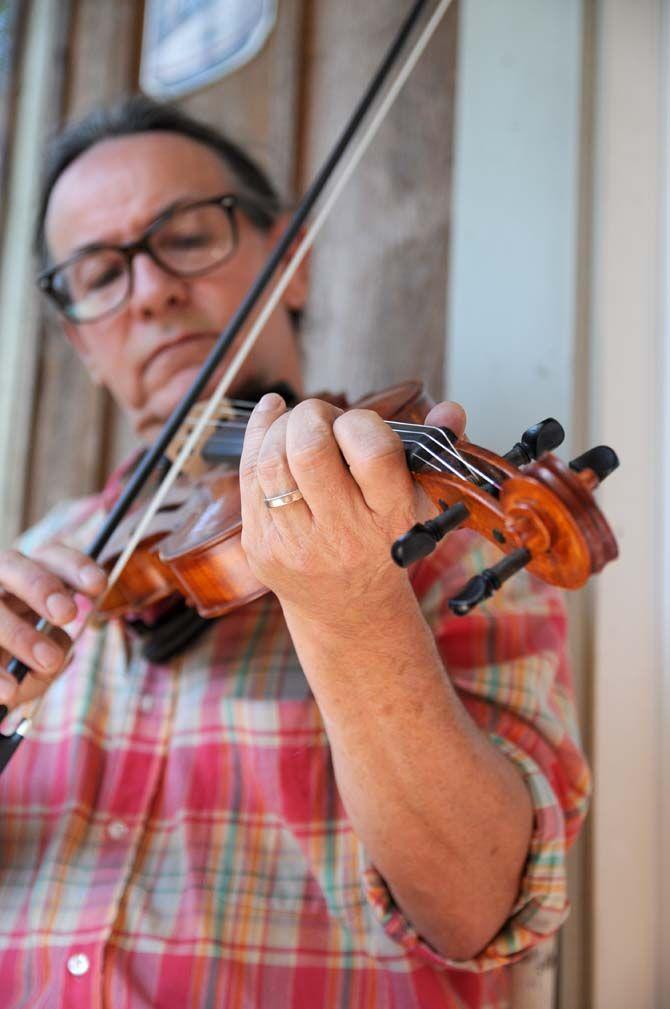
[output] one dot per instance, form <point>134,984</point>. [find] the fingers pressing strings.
<point>430,443</point>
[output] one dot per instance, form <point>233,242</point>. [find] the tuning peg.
<point>538,439</point>
<point>423,537</point>
<point>602,460</point>
<point>489,581</point>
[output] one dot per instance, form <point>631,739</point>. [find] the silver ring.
<point>279,500</point>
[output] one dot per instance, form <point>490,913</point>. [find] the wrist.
<point>354,610</point>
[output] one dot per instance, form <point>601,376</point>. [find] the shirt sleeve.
<point>507,660</point>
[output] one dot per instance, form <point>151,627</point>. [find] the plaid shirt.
<point>172,835</point>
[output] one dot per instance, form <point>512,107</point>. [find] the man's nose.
<point>154,289</point>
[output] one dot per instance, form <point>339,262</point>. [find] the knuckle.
<point>48,553</point>
<point>310,451</point>
<point>314,420</point>
<point>367,436</point>
<point>19,638</point>
<point>312,433</point>
<point>358,420</point>
<point>42,583</point>
<point>310,408</point>
<point>358,416</point>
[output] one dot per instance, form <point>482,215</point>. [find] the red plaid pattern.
<point>171,835</point>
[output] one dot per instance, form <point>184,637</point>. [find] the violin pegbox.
<point>539,511</point>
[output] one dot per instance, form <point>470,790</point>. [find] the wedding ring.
<point>279,500</point>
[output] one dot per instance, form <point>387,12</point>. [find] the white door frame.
<point>664,579</point>
<point>628,397</point>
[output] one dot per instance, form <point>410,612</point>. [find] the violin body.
<point>205,553</point>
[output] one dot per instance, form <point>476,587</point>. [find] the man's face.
<point>149,351</point>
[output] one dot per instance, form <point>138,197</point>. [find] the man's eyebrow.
<point>181,201</point>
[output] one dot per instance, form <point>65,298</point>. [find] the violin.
<point>538,511</point>
<point>541,513</point>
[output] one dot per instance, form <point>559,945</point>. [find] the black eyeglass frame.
<point>229,202</point>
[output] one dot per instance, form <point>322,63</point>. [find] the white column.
<point>627,394</point>
<point>514,285</point>
<point>514,227</point>
<point>664,510</point>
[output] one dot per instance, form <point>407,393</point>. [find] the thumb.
<point>448,414</point>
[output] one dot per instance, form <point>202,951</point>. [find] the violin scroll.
<point>540,512</point>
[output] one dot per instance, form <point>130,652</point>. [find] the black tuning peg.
<point>602,460</point>
<point>538,439</point>
<point>489,581</point>
<point>423,537</point>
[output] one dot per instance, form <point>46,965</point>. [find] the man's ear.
<point>76,338</point>
<point>295,295</point>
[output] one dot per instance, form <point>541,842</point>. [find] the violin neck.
<point>224,446</point>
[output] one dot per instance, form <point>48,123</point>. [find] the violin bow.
<point>9,743</point>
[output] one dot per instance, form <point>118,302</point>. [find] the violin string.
<point>445,441</point>
<point>399,426</point>
<point>224,423</point>
<point>275,296</point>
<point>443,466</point>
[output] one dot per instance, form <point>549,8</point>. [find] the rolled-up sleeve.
<point>508,663</point>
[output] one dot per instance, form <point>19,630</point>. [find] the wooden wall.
<point>13,28</point>
<point>77,429</point>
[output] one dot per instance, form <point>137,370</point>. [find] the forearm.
<point>445,817</point>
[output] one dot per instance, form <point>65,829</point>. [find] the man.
<point>339,796</point>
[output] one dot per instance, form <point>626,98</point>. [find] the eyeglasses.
<point>187,241</point>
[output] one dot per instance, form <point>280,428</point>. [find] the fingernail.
<point>92,576</point>
<point>270,401</point>
<point>60,607</point>
<point>46,655</point>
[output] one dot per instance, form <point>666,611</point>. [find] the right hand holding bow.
<point>40,586</point>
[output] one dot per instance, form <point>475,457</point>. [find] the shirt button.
<point>78,964</point>
<point>117,830</point>
<point>146,703</point>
